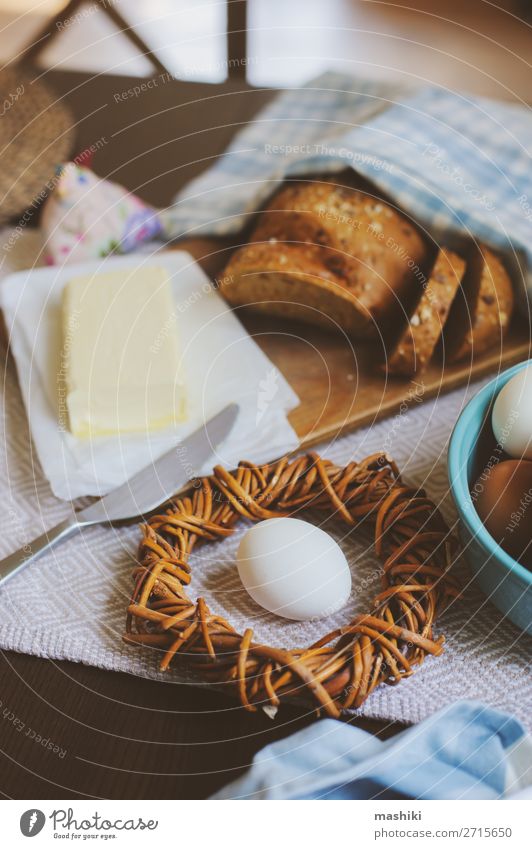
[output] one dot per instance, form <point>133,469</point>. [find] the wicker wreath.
<point>339,671</point>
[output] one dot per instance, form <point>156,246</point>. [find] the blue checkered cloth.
<point>459,165</point>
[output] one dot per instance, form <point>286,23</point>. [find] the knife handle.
<point>13,563</point>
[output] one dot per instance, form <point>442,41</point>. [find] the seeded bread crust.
<point>416,344</point>
<point>365,246</point>
<point>482,310</point>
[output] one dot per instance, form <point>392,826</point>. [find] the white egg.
<point>511,419</point>
<point>293,569</point>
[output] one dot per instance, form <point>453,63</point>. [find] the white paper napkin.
<point>221,363</point>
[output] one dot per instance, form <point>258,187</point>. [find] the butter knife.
<point>138,496</point>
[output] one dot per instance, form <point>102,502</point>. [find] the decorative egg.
<point>293,569</point>
<point>503,499</point>
<point>512,415</point>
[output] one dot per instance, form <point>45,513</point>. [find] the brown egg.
<point>503,499</point>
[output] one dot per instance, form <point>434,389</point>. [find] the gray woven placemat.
<point>71,603</point>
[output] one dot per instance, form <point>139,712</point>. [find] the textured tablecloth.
<point>71,603</point>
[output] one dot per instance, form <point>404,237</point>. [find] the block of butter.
<point>120,356</point>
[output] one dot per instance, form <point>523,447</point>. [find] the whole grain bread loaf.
<point>367,252</point>
<point>416,343</point>
<point>335,255</point>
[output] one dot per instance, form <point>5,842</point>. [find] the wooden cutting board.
<point>341,389</point>
<point>337,379</point>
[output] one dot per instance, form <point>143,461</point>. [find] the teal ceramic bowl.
<point>506,582</point>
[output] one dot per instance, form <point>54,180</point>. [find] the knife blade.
<point>141,494</point>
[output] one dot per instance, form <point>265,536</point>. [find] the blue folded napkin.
<point>466,751</point>
<point>460,165</point>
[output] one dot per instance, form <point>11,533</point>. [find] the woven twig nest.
<point>341,669</point>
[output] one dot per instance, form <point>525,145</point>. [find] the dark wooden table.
<point>117,736</point>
